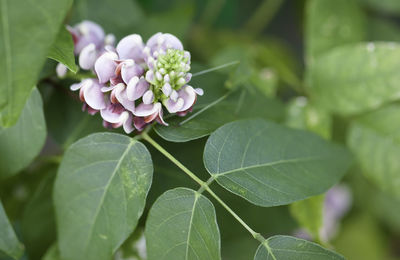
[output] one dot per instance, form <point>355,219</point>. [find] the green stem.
<point>215,68</point>
<point>203,185</point>
<point>264,14</point>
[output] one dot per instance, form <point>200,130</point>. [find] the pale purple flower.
<point>337,203</point>
<point>90,42</point>
<point>135,80</point>
<point>90,93</point>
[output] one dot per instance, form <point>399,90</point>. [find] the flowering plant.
<point>202,130</point>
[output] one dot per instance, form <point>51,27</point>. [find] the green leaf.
<point>286,247</point>
<point>38,224</point>
<point>302,114</point>
<point>330,24</point>
<point>27,29</point>
<point>9,243</point>
<point>230,107</point>
<point>353,79</point>
<point>383,30</point>
<point>375,140</point>
<point>386,6</point>
<point>63,50</point>
<point>52,253</point>
<point>99,194</point>
<point>20,144</point>
<point>270,165</point>
<point>308,214</point>
<point>129,19</point>
<point>182,225</point>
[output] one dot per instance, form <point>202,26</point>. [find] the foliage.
<point>245,173</point>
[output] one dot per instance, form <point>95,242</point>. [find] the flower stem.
<point>203,185</point>
<point>262,16</point>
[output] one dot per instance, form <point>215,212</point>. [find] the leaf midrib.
<point>7,48</point>
<point>132,142</point>
<point>304,159</point>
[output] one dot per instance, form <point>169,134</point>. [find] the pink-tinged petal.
<point>160,118</point>
<point>90,110</point>
<point>109,40</point>
<point>145,110</point>
<point>150,77</point>
<point>188,77</point>
<point>61,70</point>
<point>174,95</point>
<point>107,89</point>
<point>131,47</point>
<point>199,91</point>
<point>105,66</point>
<point>120,94</point>
<point>166,78</point>
<point>188,94</point>
<point>129,70</point>
<point>88,32</point>
<point>127,122</point>
<point>148,97</point>
<point>88,57</point>
<point>139,123</point>
<point>154,40</point>
<point>93,96</point>
<point>116,80</point>
<point>112,113</point>
<point>173,106</point>
<point>171,42</point>
<point>167,89</point>
<point>76,86</point>
<point>136,88</point>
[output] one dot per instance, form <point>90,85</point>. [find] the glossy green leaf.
<point>356,78</point>
<point>230,107</point>
<point>286,247</point>
<point>9,243</point>
<point>63,50</point>
<point>28,30</point>
<point>182,225</point>
<point>99,194</point>
<point>375,140</point>
<point>330,24</point>
<point>21,143</point>
<point>308,214</point>
<point>271,165</point>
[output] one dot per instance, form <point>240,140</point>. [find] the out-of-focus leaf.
<point>206,119</point>
<point>356,78</point>
<point>286,247</point>
<point>175,21</point>
<point>386,6</point>
<point>330,24</point>
<point>27,29</point>
<point>308,213</point>
<point>302,114</point>
<point>52,253</point>
<point>120,18</point>
<point>65,120</point>
<point>271,165</point>
<point>182,225</point>
<point>362,239</point>
<point>99,194</point>
<point>63,50</point>
<point>38,222</point>
<point>21,143</point>
<point>9,243</point>
<point>375,140</point>
<point>383,30</point>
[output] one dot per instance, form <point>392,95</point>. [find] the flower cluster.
<point>135,80</point>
